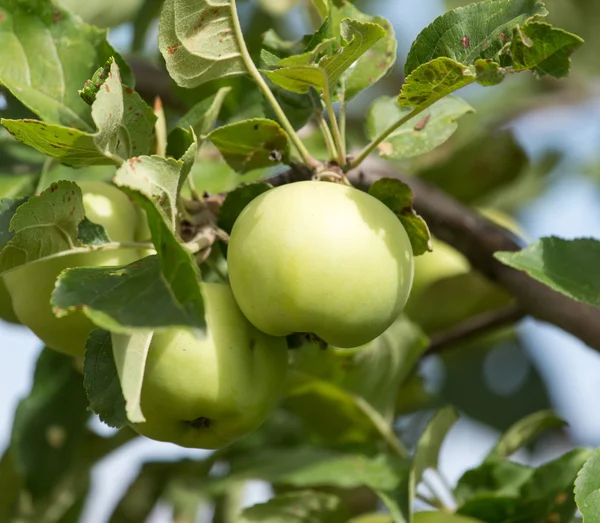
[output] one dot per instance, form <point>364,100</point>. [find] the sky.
<point>575,131</point>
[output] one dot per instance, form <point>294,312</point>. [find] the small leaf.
<point>298,507</point>
<point>567,266</point>
<point>587,489</point>
<point>545,49</point>
<point>49,424</point>
<point>489,72</point>
<point>156,178</point>
<point>397,196</point>
<point>432,81</point>
<point>420,134</point>
<point>130,351</point>
<point>524,432</point>
<point>50,64</point>
<point>431,441</point>
<point>44,225</point>
<point>237,200</point>
<point>101,380</point>
<point>252,144</point>
<point>122,299</point>
<point>198,41</point>
<point>478,30</point>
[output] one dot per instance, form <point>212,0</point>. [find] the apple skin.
<point>6,309</point>
<point>321,258</point>
<point>208,391</point>
<point>31,285</point>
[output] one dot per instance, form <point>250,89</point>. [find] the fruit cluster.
<point>309,257</point>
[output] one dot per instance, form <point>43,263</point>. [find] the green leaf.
<point>252,144</point>
<point>8,208</point>
<point>431,441</point>
<point>11,484</point>
<point>109,13</point>
<point>524,432</point>
<point>544,49</point>
<point>298,76</point>
<point>277,7</point>
<point>130,352</point>
<point>497,477</point>
<point>49,424</point>
<point>567,266</point>
<point>45,225</point>
<point>587,489</point>
<point>397,196</point>
<point>420,134</point>
<point>47,54</point>
<point>125,129</point>
<point>460,174</point>
<point>442,517</point>
<point>198,41</point>
<point>495,510</point>
<point>478,30</point>
<point>201,118</point>
<point>236,201</point>
<point>433,80</point>
<point>215,176</point>
<point>157,178</point>
<point>489,72</point>
<point>122,299</point>
<point>101,380</point>
<point>298,507</point>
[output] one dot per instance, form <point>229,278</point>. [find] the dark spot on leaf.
<point>503,37</point>
<point>1,17</point>
<point>107,88</point>
<point>172,48</point>
<point>465,41</point>
<point>275,156</point>
<point>199,423</point>
<point>252,343</point>
<point>421,124</point>
<point>256,127</point>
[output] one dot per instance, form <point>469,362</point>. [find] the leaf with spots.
<point>44,225</point>
<point>421,133</point>
<point>543,48</point>
<point>567,266</point>
<point>128,299</point>
<point>49,423</point>
<point>252,144</point>
<point>125,129</point>
<point>397,196</point>
<point>46,56</point>
<point>433,81</point>
<point>199,42</point>
<point>466,34</point>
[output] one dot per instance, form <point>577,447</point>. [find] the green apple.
<point>321,258</point>
<point>31,285</point>
<point>6,309</point>
<point>206,390</point>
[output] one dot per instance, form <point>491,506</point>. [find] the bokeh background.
<point>543,137</point>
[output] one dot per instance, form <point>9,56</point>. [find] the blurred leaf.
<point>397,196</point>
<point>430,443</point>
<point>49,424</point>
<point>372,518</point>
<point>11,484</point>
<point>495,477</point>
<point>237,200</point>
<point>485,164</point>
<point>101,380</point>
<point>441,517</point>
<point>8,208</point>
<point>130,351</point>
<point>215,176</point>
<point>420,134</point>
<point>64,44</point>
<point>298,507</point>
<point>543,48</point>
<point>495,510</point>
<point>108,13</point>
<point>524,432</point>
<point>252,144</point>
<point>277,7</point>
<point>146,15</point>
<point>587,489</point>
<point>198,52</point>
<point>478,30</point>
<point>143,493</point>
<point>567,266</point>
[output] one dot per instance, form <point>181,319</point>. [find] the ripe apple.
<point>321,258</point>
<point>207,390</point>
<point>31,285</point>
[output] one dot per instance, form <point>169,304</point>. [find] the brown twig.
<point>480,324</point>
